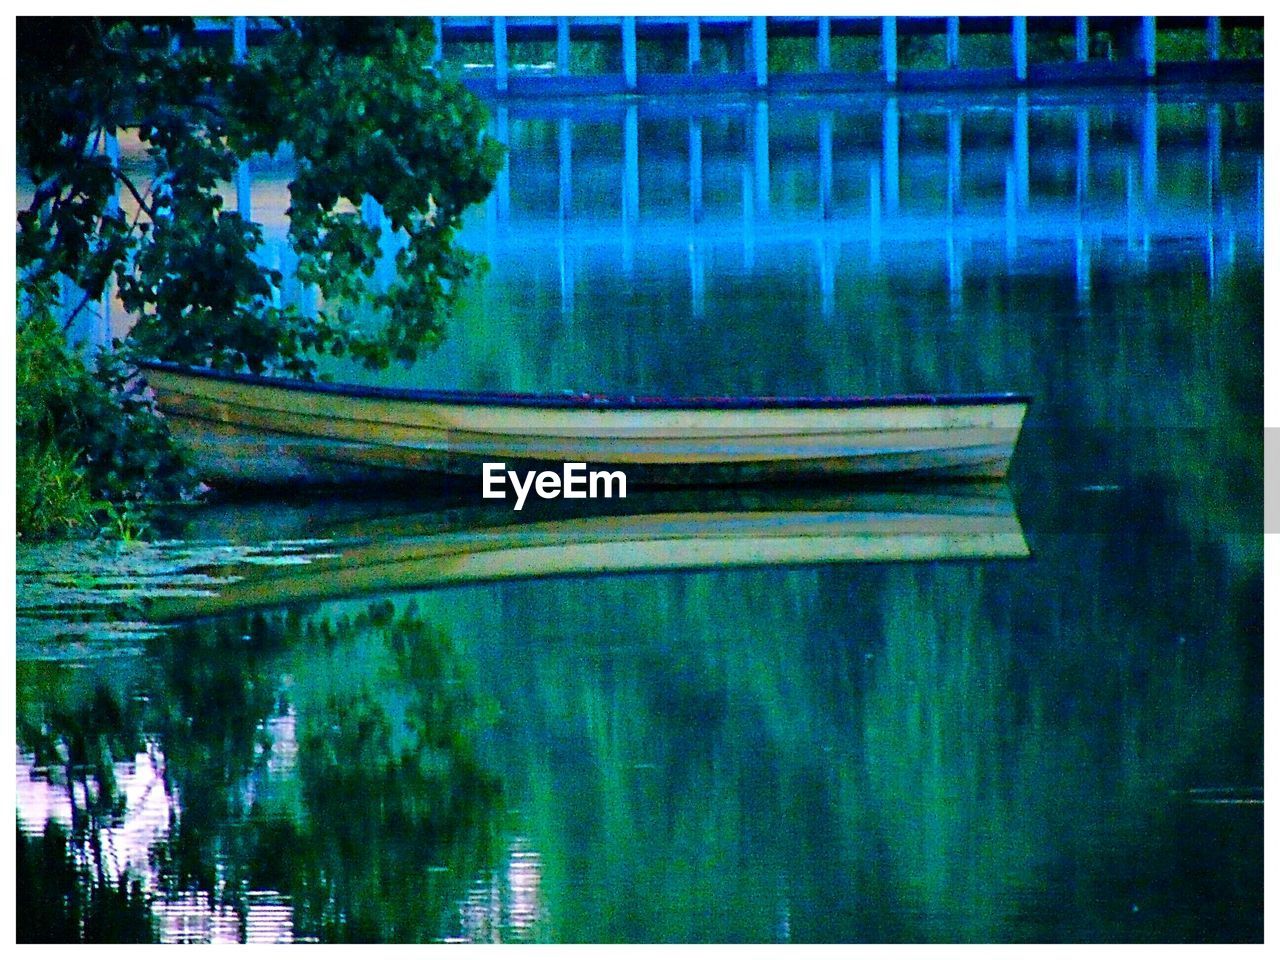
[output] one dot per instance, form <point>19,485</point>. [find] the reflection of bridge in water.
<point>987,183</point>
<point>950,203</point>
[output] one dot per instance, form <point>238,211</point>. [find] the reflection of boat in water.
<point>245,428</point>
<point>649,532</point>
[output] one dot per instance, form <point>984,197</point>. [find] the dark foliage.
<point>365,114</point>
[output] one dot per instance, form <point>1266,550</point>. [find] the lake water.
<point>1061,747</point>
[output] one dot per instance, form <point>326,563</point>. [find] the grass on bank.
<point>91,450</point>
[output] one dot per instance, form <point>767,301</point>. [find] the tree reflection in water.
<point>317,780</point>
<point>996,750</point>
<point>1012,751</point>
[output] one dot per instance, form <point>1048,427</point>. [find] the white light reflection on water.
<point>125,842</point>
<point>123,845</point>
<point>505,905</point>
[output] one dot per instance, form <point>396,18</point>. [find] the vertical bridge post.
<point>889,48</point>
<point>1022,152</point>
<point>629,52</point>
<point>239,38</point>
<point>695,169</point>
<point>1082,39</point>
<point>500,65</point>
<point>889,152</point>
<point>631,165</point>
<point>953,42</point>
<point>695,45</point>
<point>564,145</point>
<point>760,157</point>
<point>1082,154</point>
<point>824,44</point>
<point>239,53</point>
<point>562,46</point>
<point>1213,37</point>
<point>502,189</point>
<point>111,150</point>
<point>1019,33</point>
<point>955,147</point>
<point>825,164</point>
<point>760,51</point>
<point>101,335</point>
<point>1148,39</point>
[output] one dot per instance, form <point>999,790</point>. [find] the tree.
<point>364,112</point>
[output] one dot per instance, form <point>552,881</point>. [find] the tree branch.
<point>128,184</point>
<point>84,302</point>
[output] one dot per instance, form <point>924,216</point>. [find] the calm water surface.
<point>1066,747</point>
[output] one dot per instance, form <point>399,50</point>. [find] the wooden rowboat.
<point>242,428</point>
<point>651,532</point>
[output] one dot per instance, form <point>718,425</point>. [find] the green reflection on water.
<point>918,751</point>
<point>1065,748</point>
<point>370,814</point>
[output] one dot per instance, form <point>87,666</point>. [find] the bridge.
<point>1005,216</point>
<point>535,56</point>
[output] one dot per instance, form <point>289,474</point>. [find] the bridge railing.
<point>1084,50</point>
<point>1102,50</point>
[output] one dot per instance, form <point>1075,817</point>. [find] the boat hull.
<point>254,430</point>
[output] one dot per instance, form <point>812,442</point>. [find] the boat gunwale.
<point>569,400</point>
